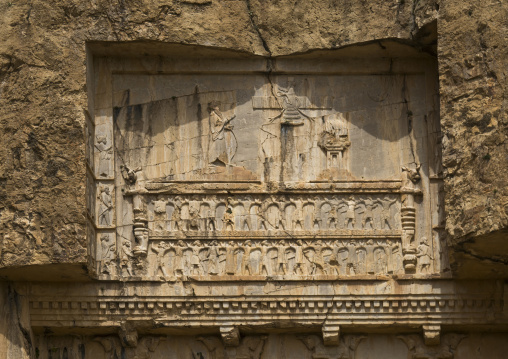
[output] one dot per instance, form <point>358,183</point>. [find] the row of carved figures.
<point>271,214</point>
<point>246,347</point>
<point>177,259</point>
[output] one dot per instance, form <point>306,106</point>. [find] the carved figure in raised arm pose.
<point>176,218</point>
<point>368,215</point>
<point>332,217</point>
<point>350,205</point>
<point>385,205</point>
<point>161,249</point>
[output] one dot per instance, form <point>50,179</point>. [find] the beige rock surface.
<point>473,86</point>
<point>43,81</point>
<point>262,306</point>
<point>43,98</point>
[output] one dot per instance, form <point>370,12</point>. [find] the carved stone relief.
<point>344,350</point>
<point>445,350</point>
<point>301,176</point>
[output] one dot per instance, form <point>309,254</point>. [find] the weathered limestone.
<point>292,180</point>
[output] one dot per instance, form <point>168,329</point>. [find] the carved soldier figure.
<point>213,259</point>
<point>268,259</point>
<point>380,261</point>
<point>281,263</point>
<point>107,254</point>
<point>260,212</point>
<point>241,261</point>
<point>160,250</point>
<point>105,206</point>
<point>222,260</point>
<point>424,256</point>
<point>275,219</point>
<point>126,257</point>
<point>232,266</point>
<point>290,265</point>
<point>246,267</point>
<point>342,259</point>
<point>396,258</point>
<point>385,205</point>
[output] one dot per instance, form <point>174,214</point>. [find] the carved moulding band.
<point>199,312</point>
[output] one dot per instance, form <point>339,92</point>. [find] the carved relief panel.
<point>228,171</point>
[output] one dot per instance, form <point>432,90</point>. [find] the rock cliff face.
<point>47,82</point>
<point>43,88</point>
<point>43,98</point>
<point>473,79</point>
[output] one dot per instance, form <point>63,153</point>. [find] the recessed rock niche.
<point>214,166</point>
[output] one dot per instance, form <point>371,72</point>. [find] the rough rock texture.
<point>42,96</point>
<point>473,63</point>
<point>43,88</point>
<point>15,334</point>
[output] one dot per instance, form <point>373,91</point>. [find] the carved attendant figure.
<point>223,144</point>
<point>105,207</point>
<point>105,153</point>
<point>424,257</point>
<point>107,254</point>
<point>126,257</point>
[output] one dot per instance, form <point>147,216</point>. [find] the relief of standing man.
<point>223,143</point>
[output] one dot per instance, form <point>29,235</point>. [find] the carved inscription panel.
<point>229,170</point>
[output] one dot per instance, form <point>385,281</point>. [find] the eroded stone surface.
<point>227,195</point>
